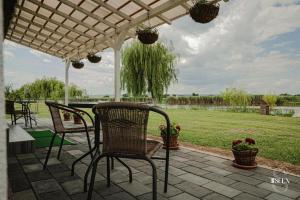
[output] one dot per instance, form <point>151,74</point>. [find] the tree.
<point>148,68</point>
<point>270,99</point>
<point>47,88</point>
<point>237,98</point>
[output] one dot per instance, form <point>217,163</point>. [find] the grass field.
<point>277,138</point>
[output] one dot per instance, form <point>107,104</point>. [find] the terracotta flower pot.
<point>77,119</point>
<point>173,144</point>
<point>67,116</point>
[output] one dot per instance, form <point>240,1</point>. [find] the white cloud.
<point>8,54</point>
<point>229,51</point>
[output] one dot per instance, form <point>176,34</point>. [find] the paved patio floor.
<point>193,175</point>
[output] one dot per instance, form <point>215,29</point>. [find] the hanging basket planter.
<point>77,64</point>
<point>93,58</point>
<point>203,12</point>
<point>147,35</point>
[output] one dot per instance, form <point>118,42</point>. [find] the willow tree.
<point>148,69</point>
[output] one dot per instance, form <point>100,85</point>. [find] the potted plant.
<point>67,115</point>
<point>174,133</point>
<point>147,35</point>
<point>77,64</point>
<point>76,118</point>
<point>244,153</point>
<point>93,58</point>
<point>204,11</point>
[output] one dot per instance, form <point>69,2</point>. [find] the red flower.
<point>236,142</point>
<point>250,141</point>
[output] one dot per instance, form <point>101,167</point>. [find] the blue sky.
<point>253,45</point>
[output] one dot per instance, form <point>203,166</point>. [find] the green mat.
<point>43,139</point>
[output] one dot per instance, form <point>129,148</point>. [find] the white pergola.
<point>69,29</point>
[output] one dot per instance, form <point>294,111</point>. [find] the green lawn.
<point>277,137</point>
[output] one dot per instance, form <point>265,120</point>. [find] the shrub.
<point>237,98</point>
<point>270,99</point>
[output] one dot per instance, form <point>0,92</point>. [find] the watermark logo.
<point>279,183</point>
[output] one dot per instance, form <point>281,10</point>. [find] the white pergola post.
<point>67,67</point>
<point>3,135</point>
<point>117,44</point>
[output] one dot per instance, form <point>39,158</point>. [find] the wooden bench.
<point>19,140</point>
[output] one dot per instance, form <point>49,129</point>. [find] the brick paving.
<point>193,175</point>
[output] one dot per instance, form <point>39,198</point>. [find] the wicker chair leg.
<point>88,171</point>
<point>154,179</point>
<point>166,171</point>
<point>89,142</point>
<point>129,170</point>
<point>81,157</point>
<point>49,151</point>
<point>60,146</point>
<point>90,193</point>
<point>108,171</point>
<point>112,163</point>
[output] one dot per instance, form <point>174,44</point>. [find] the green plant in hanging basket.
<point>77,64</point>
<point>147,35</point>
<point>204,11</point>
<point>93,58</point>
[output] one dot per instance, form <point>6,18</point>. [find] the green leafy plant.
<point>237,98</point>
<point>175,129</point>
<point>270,99</point>
<point>147,29</point>
<point>148,68</point>
<point>240,145</point>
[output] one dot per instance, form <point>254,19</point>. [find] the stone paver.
<point>56,195</point>
<point>73,187</point>
<point>184,196</point>
<point>194,179</point>
<point>120,196</point>
<point>172,191</point>
<point>215,196</point>
<point>219,178</point>
<point>222,189</point>
<point>32,167</point>
<point>283,191</point>
<point>217,170</point>
<point>195,170</point>
<point>259,192</point>
<point>24,195</point>
<point>51,161</point>
<point>135,188</point>
<point>44,186</point>
<point>192,175</point>
<point>275,196</point>
<point>244,179</point>
<point>193,189</point>
<point>245,196</point>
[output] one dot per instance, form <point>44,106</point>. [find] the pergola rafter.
<point>70,29</point>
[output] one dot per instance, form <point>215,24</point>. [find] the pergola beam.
<point>47,29</point>
<point>112,9</point>
<point>154,12</point>
<point>47,37</point>
<point>145,6</point>
<point>33,46</point>
<point>55,22</point>
<point>66,16</point>
<point>90,14</point>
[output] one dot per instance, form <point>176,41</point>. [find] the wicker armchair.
<point>55,110</point>
<point>14,114</point>
<point>124,127</point>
